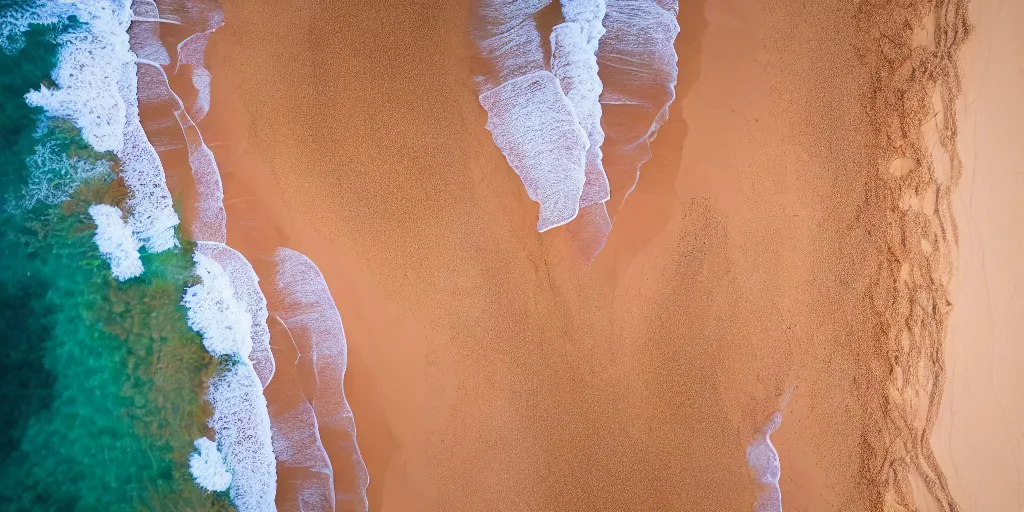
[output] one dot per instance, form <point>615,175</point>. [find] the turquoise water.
<point>102,381</point>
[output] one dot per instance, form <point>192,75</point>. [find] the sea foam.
<point>245,289</point>
<point>240,419</point>
<point>115,241</point>
<point>95,74</point>
<point>305,306</point>
<point>574,45</point>
<point>574,61</point>
<point>764,463</point>
<point>305,480</point>
<point>54,176</point>
<point>532,122</point>
<point>208,467</point>
<point>97,90</point>
<point>637,62</point>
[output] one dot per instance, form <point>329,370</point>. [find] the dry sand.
<point>978,438</point>
<point>487,369</point>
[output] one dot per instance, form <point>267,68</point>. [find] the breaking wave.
<point>97,89</point>
<point>240,419</point>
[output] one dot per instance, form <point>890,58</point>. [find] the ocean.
<point>138,347</point>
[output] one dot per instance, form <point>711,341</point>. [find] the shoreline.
<point>473,381</point>
<point>485,367</point>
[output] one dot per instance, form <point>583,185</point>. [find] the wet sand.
<point>978,437</point>
<point>487,369</point>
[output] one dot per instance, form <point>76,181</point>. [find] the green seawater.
<point>101,382</point>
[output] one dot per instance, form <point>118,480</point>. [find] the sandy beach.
<point>489,370</point>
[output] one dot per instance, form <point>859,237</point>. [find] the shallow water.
<point>103,394</point>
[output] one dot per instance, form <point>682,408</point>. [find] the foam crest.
<point>88,71</point>
<point>637,61</point>
<point>305,307</point>
<point>532,122</point>
<point>245,288</point>
<point>242,426</point>
<point>115,242</point>
<point>210,220</point>
<point>208,467</point>
<point>574,61</point>
<point>96,89</point>
<point>240,418</point>
<point>305,480</point>
<point>214,312</point>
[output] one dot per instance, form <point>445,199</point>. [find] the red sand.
<point>487,369</point>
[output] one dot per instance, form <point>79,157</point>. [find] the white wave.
<point>637,61</point>
<point>240,419</point>
<point>242,425</point>
<point>532,122</point>
<point>245,289</point>
<point>214,312</point>
<point>96,79</point>
<point>208,467</point>
<point>306,481</point>
<point>210,220</point>
<point>574,46</point>
<point>115,241</point>
<point>536,129</point>
<point>305,306</point>
<point>764,463</point>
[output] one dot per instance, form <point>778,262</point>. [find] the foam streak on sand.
<point>765,465</point>
<point>637,62</point>
<point>305,307</point>
<point>210,222</point>
<point>532,122</point>
<point>191,52</point>
<point>97,90</point>
<point>305,480</point>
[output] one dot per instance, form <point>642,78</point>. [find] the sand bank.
<point>487,369</point>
